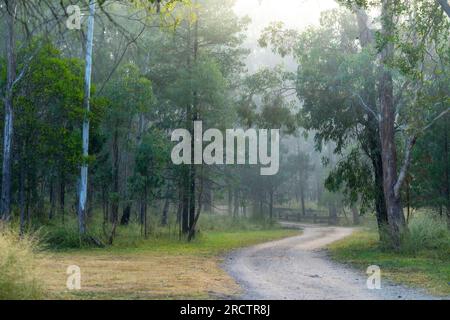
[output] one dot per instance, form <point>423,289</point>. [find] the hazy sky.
<point>296,14</point>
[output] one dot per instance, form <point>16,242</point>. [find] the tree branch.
<point>435,120</point>
<point>411,141</point>
<point>445,6</point>
<point>367,108</point>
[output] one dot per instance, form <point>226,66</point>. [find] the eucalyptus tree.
<point>130,101</point>
<point>265,102</point>
<point>47,110</point>
<point>412,38</point>
<point>370,94</point>
<point>24,22</point>
<point>195,69</point>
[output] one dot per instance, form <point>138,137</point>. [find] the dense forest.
<point>89,113</point>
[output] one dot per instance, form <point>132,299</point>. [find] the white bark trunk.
<point>5,205</point>
<point>406,164</point>
<point>87,97</point>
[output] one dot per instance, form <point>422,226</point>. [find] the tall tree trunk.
<point>236,204</point>
<point>396,219</point>
<point>367,38</point>
<point>115,176</point>
<point>447,170</point>
<point>166,207</point>
<point>208,197</point>
<point>52,200</point>
<point>5,205</point>
<point>62,195</point>
<point>408,200</point>
<point>302,200</point>
<point>180,210</point>
<point>142,212</point>
<point>192,193</point>
<point>195,114</point>
<point>193,227</point>
<point>271,192</point>
<point>377,164</point>
<point>22,192</point>
<point>356,220</point>
<point>332,211</point>
<point>126,215</point>
<point>105,207</point>
<point>90,201</point>
<point>230,200</point>
<point>87,97</point>
<point>185,201</point>
<point>145,213</point>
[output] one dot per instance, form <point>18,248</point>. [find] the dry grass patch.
<point>150,276</point>
<point>153,269</point>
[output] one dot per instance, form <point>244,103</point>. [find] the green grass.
<point>427,268</point>
<point>207,243</point>
<point>215,233</point>
<point>212,242</point>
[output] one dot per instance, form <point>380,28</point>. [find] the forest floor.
<point>299,268</point>
<point>154,269</point>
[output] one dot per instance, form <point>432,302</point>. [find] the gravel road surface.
<point>298,268</point>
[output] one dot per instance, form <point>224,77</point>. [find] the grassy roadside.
<point>427,268</point>
<point>153,269</point>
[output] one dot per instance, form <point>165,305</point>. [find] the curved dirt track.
<point>298,269</point>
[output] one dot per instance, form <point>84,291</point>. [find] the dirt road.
<point>299,269</point>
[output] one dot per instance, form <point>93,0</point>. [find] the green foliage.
<point>18,277</point>
<point>282,40</point>
<point>152,158</point>
<point>263,101</point>
<point>47,109</point>
<point>428,177</point>
<point>351,176</point>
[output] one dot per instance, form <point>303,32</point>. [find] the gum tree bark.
<point>5,205</point>
<point>87,97</point>
<point>374,151</point>
<point>391,181</point>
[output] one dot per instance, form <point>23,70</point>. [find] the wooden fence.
<point>312,216</point>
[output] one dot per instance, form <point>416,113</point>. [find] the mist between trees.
<point>363,120</point>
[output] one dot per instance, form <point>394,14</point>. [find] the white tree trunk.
<point>87,97</point>
<point>5,204</point>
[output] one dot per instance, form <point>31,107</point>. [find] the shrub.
<point>61,236</point>
<point>18,276</point>
<point>230,224</point>
<point>426,233</point>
